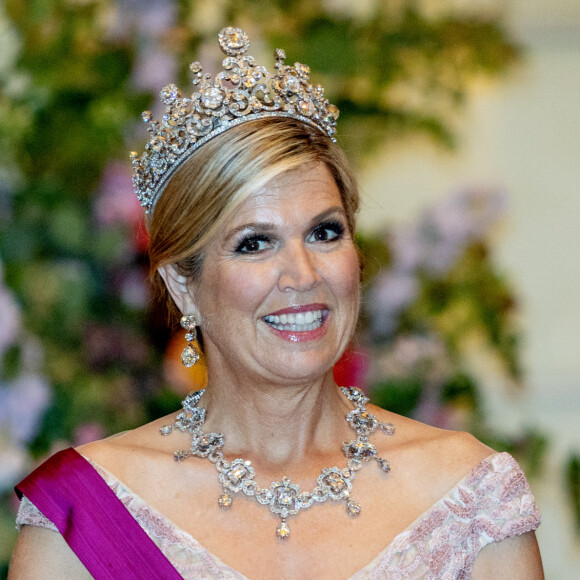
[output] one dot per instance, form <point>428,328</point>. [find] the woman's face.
<point>278,296</point>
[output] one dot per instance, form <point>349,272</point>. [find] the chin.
<point>310,366</point>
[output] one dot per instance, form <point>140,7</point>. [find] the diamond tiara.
<point>243,92</point>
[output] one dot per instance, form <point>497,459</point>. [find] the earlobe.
<point>179,289</point>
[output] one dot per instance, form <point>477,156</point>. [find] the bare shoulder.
<point>435,458</point>
<point>134,457</point>
<point>129,454</point>
<point>41,554</point>
<point>511,559</point>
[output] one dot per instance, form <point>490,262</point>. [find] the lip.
<point>301,336</point>
<point>295,309</point>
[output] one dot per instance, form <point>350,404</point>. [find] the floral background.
<point>84,349</point>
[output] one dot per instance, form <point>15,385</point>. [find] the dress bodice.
<point>491,503</point>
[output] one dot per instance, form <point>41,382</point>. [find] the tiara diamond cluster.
<point>243,92</point>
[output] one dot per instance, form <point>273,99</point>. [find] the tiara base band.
<point>156,194</point>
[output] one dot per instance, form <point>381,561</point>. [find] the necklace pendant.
<point>353,508</point>
<point>166,429</point>
<point>225,501</point>
<point>283,530</point>
<point>180,455</point>
<point>284,498</point>
<point>384,464</point>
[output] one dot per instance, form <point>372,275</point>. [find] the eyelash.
<point>247,240</point>
<point>335,226</point>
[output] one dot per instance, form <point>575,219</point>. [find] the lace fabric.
<point>491,503</point>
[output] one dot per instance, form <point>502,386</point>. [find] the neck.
<point>284,497</point>
<point>288,425</point>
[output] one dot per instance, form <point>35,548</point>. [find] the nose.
<point>298,269</point>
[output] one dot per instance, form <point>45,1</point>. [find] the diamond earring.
<point>190,354</point>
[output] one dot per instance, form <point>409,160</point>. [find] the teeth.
<point>299,322</point>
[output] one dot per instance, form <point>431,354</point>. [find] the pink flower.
<point>135,289</point>
<point>22,406</point>
<point>407,249</point>
<point>117,202</point>
<point>446,229</point>
<point>154,69</point>
<point>88,432</point>
<point>392,291</point>
<point>156,18</point>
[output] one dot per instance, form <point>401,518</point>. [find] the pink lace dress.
<point>491,503</point>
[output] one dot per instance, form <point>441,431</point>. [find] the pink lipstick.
<point>299,323</point>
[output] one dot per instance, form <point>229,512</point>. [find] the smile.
<point>297,322</point>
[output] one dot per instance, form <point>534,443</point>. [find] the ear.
<point>180,291</point>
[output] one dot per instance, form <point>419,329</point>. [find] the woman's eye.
<point>253,245</point>
<point>326,232</point>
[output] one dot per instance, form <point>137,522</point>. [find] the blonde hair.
<point>213,182</point>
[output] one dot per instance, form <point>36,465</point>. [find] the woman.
<point>251,215</point>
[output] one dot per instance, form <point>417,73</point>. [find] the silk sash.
<point>93,520</point>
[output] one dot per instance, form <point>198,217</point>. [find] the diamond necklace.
<point>284,498</point>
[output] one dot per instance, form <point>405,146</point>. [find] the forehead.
<point>305,190</point>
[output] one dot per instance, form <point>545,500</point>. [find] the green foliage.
<point>82,101</point>
<point>78,108</point>
<point>530,448</point>
<point>392,70</point>
<point>398,395</point>
<point>437,316</point>
<point>471,298</point>
<point>573,485</point>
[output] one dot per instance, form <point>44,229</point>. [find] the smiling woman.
<point>218,177</point>
<point>251,211</point>
<point>286,252</point>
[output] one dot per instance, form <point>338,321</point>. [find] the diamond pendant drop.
<point>283,530</point>
<point>189,356</point>
<point>225,501</point>
<point>353,508</point>
<point>166,429</point>
<point>384,465</point>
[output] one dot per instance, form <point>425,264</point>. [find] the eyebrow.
<point>266,227</point>
<point>328,213</point>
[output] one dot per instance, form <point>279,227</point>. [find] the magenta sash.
<point>93,520</point>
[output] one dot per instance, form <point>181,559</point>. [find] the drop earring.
<point>190,354</point>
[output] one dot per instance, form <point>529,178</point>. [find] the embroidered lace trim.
<point>491,503</point>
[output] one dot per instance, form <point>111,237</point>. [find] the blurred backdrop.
<point>461,118</point>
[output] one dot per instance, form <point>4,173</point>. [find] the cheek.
<point>344,279</point>
<point>346,275</point>
<point>237,290</point>
<point>250,284</point>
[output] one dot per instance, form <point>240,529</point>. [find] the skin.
<point>287,246</point>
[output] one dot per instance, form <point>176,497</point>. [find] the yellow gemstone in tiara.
<point>242,92</point>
